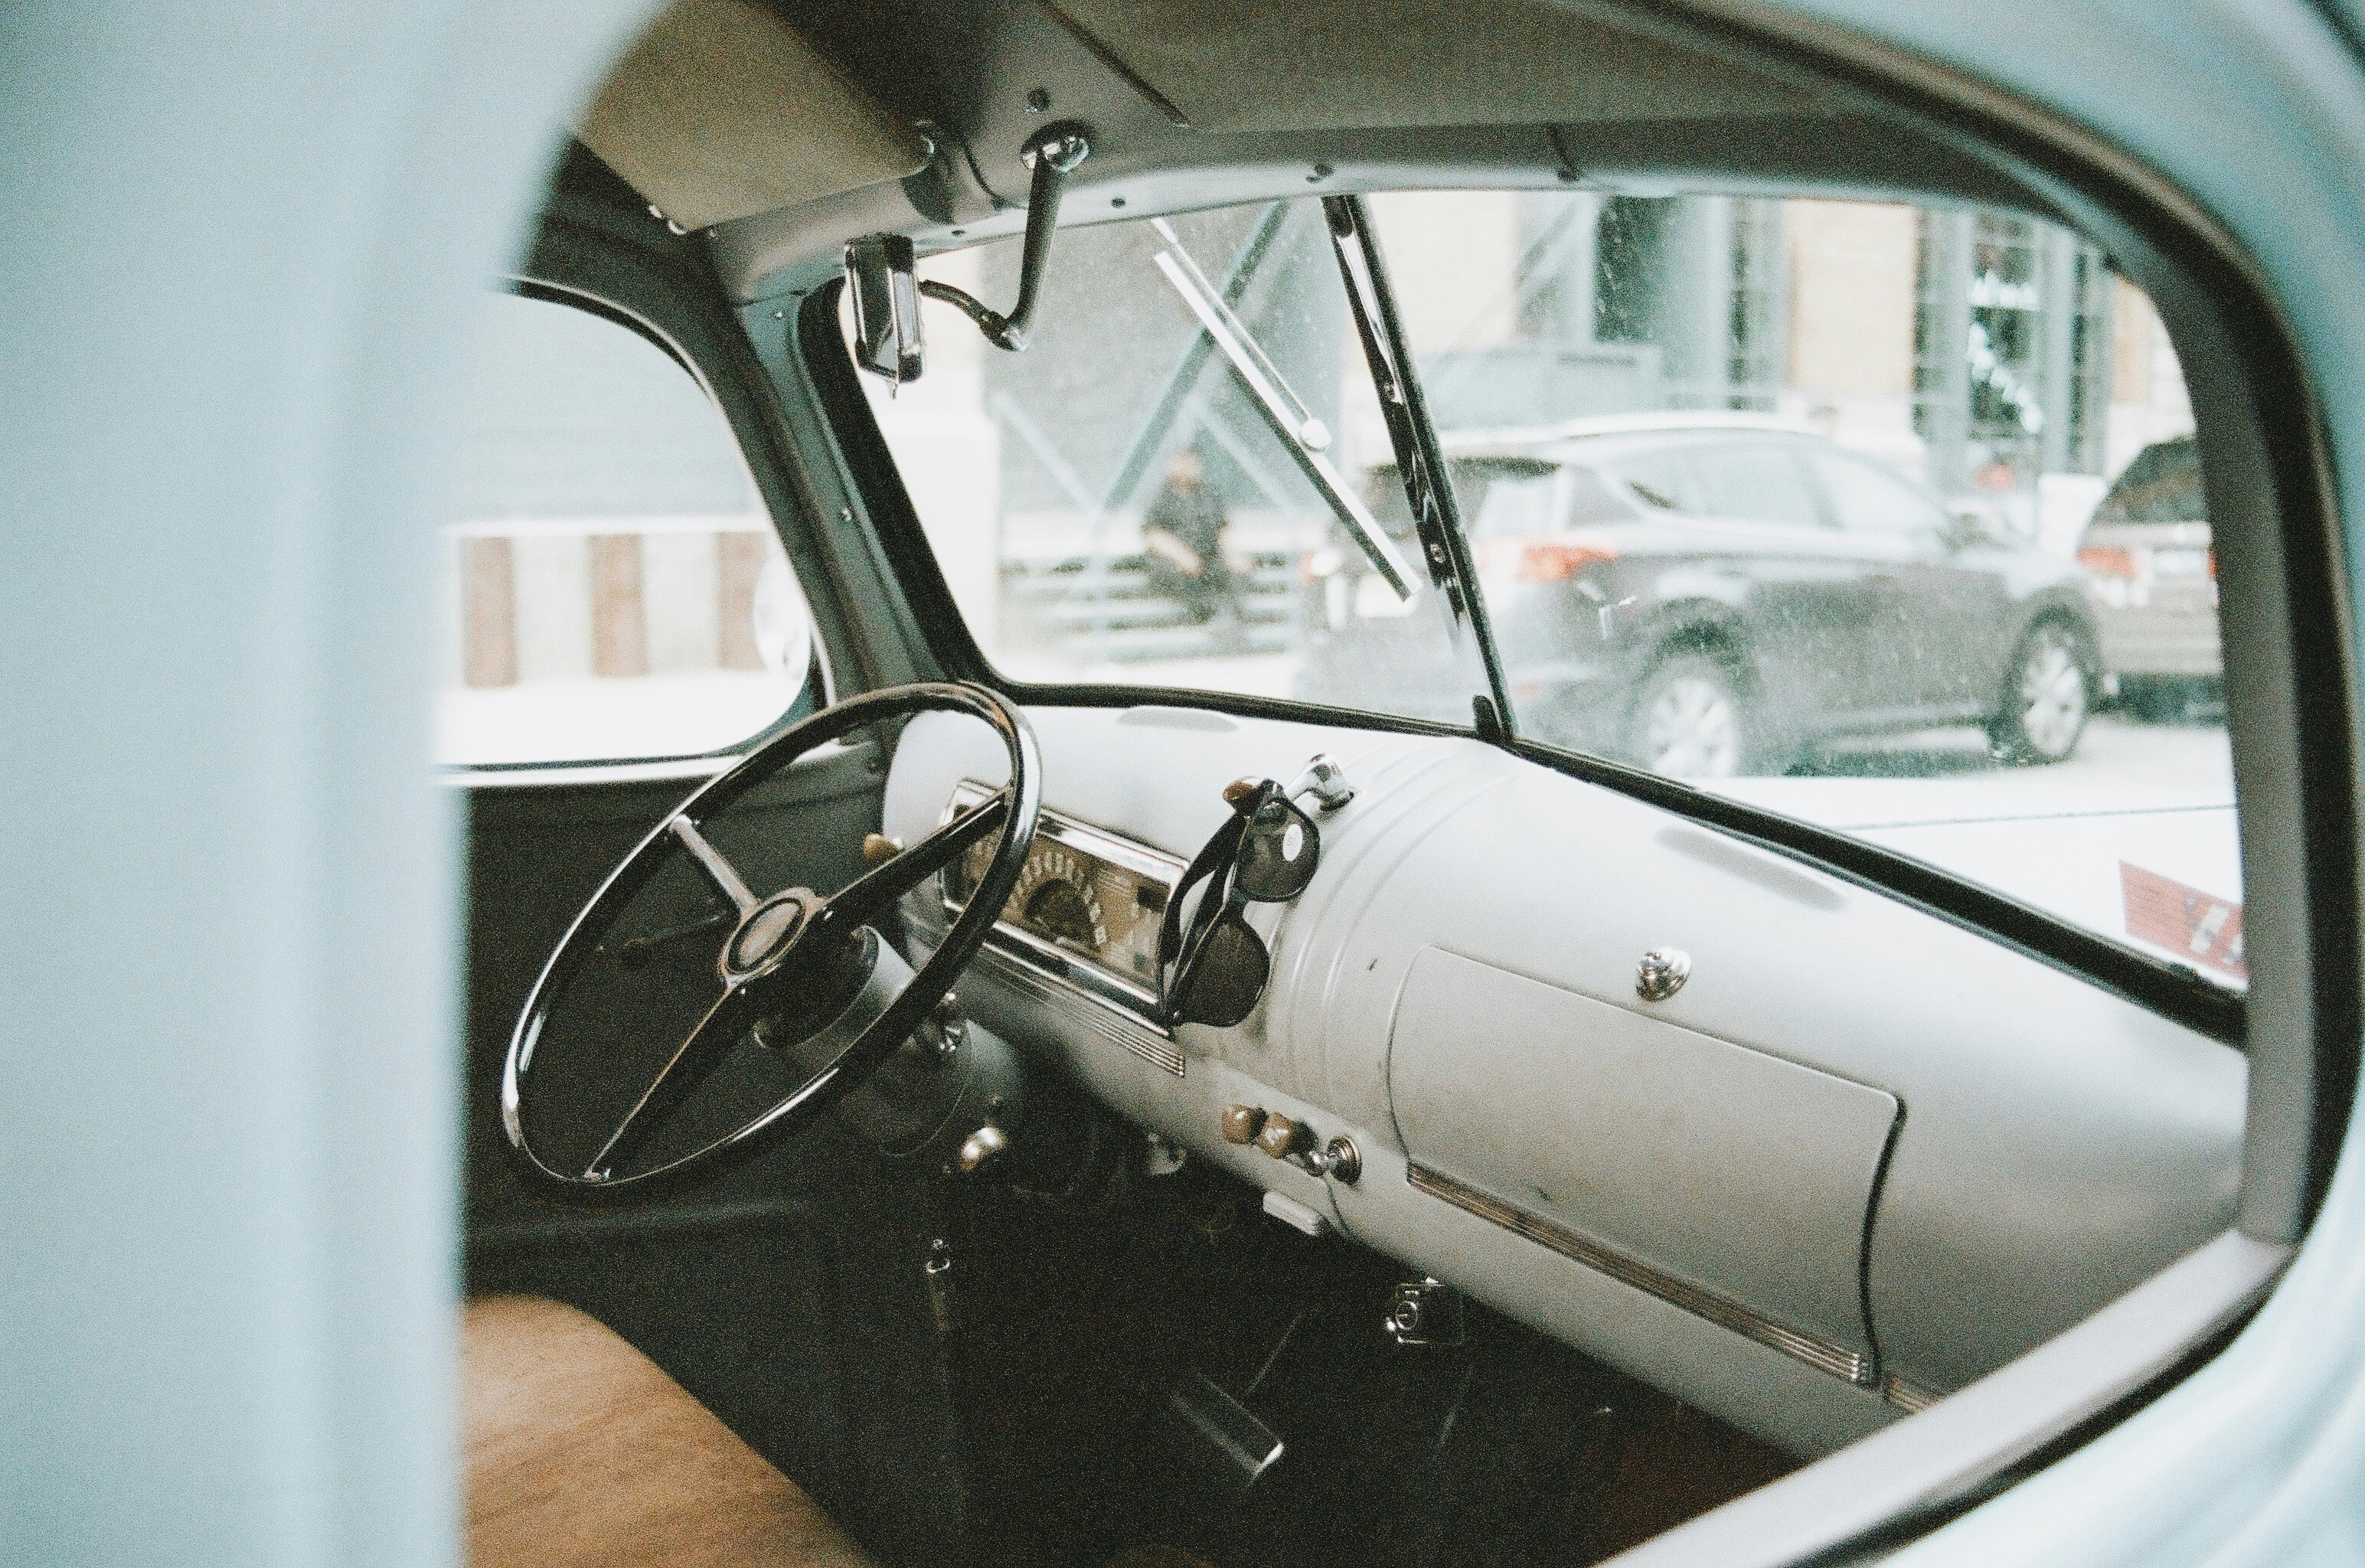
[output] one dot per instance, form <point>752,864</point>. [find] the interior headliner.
<point>784,128</point>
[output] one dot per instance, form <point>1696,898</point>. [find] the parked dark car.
<point>1718,594</point>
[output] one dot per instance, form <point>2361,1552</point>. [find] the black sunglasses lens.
<point>1278,853</point>
<point>1227,977</point>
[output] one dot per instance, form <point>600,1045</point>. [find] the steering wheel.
<point>804,974</point>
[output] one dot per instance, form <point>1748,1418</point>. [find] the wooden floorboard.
<point>581,1453</point>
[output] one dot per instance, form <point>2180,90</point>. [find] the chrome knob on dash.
<point>1339,1159</point>
<point>1325,781</point>
<point>1662,973</point>
<point>946,1027</point>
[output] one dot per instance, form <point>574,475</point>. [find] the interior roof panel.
<point>1838,158</point>
<point>1274,93</point>
<point>1335,64</point>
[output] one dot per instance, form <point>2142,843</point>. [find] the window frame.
<point>588,257</point>
<point>2290,654</point>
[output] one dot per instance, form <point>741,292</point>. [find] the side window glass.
<point>1593,498</point>
<point>1757,483</point>
<point>2028,696</point>
<point>615,587</point>
<point>1870,501</point>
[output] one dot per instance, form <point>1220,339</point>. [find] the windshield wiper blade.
<point>1437,519</point>
<point>1302,435</point>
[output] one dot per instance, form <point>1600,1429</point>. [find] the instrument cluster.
<point>1083,894</point>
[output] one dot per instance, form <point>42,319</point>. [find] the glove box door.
<point>1733,1182</point>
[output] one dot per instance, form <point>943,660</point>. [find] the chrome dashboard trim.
<point>1118,1025</point>
<point>1152,865</point>
<point>1108,1003</point>
<point>1139,859</point>
<point>1907,1398</point>
<point>1851,1365</point>
<point>1067,992</point>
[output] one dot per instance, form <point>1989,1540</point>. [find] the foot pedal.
<point>1237,1446</point>
<point>1424,1312</point>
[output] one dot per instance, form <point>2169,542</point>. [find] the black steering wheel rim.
<point>1011,814</point>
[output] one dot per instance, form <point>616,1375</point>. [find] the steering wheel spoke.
<point>719,871</point>
<point>692,1062</point>
<point>868,897</point>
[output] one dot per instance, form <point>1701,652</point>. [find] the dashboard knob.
<point>1243,1123</point>
<point>1325,781</point>
<point>1281,1138</point>
<point>946,1027</point>
<point>1662,973</point>
<point>1339,1159</point>
<point>877,848</point>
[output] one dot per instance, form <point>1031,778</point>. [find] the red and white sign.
<point>2202,928</point>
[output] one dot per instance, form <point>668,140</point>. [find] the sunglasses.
<point>1265,853</point>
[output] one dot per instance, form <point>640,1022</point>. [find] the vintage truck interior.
<point>1040,1092</point>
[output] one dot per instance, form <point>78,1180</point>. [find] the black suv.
<point>1717,594</point>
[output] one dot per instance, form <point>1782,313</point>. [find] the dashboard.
<point>1861,1157</point>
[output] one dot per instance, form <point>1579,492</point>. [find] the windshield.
<point>1914,545</point>
<point>1184,482</point>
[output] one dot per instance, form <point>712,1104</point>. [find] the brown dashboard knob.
<point>878,849</point>
<point>1243,1123</point>
<point>1281,1138</point>
<point>1240,789</point>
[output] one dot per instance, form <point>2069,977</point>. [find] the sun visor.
<point>1260,65</point>
<point>721,110</point>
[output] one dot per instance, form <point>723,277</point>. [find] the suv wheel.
<point>1691,720</point>
<point>2046,698</point>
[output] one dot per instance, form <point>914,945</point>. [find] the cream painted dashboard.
<point>1862,1157</point>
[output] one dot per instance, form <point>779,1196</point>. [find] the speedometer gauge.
<point>1055,898</point>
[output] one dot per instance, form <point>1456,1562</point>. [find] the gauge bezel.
<point>1101,983</point>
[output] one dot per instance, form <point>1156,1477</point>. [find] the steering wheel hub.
<point>765,932</point>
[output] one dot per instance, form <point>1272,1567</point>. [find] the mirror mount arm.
<point>1053,154</point>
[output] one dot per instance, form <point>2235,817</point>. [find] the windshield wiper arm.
<point>1302,435</point>
<point>1437,519</point>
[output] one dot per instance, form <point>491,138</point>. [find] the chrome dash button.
<point>1662,973</point>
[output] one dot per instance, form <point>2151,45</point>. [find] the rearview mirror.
<point>879,273</point>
